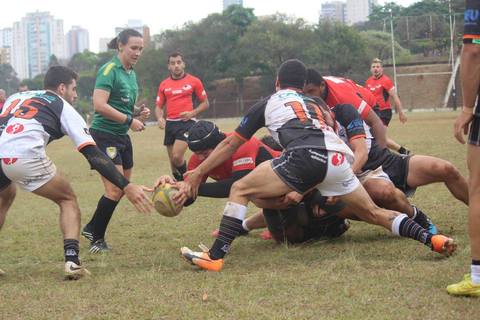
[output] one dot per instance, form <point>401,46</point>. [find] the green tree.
<point>8,79</point>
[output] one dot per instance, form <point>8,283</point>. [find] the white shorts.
<point>29,174</point>
<point>373,174</point>
<point>340,178</point>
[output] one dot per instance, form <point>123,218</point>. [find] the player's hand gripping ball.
<point>163,202</point>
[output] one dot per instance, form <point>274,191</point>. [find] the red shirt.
<point>380,88</point>
<point>178,95</point>
<point>367,95</point>
<point>345,91</point>
<point>242,159</point>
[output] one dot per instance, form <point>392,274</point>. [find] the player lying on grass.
<point>314,157</point>
<point>389,177</point>
<point>203,137</point>
<point>28,122</point>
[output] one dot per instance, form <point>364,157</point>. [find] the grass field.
<point>366,274</point>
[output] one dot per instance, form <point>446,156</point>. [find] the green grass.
<point>366,274</point>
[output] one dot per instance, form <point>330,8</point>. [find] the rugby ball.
<point>163,202</point>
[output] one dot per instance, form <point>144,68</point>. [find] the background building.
<point>5,45</point>
<point>358,10</point>
<point>35,39</point>
<point>228,3</point>
<point>334,11</point>
<point>102,44</point>
<point>136,25</point>
<point>77,40</point>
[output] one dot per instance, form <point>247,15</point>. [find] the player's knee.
<point>238,187</point>
<point>450,171</point>
<point>177,159</point>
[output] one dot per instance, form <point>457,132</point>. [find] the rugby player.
<point>177,93</point>
<point>314,157</point>
<point>28,122</point>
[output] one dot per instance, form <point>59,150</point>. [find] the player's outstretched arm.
<point>104,165</point>
<point>219,155</point>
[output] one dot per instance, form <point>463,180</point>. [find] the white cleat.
<point>74,271</point>
<point>2,273</point>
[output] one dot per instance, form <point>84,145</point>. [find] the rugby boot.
<point>74,271</point>
<point>201,259</point>
<point>464,288</point>
<point>443,245</point>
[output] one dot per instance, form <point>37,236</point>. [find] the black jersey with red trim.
<point>32,119</point>
<point>350,124</point>
<point>471,29</point>
<point>294,120</point>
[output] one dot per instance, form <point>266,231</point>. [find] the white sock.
<point>414,212</point>
<point>475,274</point>
<point>244,225</point>
<point>396,223</point>
<point>235,210</point>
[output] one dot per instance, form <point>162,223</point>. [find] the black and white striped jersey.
<point>30,120</point>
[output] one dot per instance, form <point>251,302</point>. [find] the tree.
<point>84,62</point>
<point>8,79</point>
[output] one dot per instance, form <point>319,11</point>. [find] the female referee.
<point>114,100</point>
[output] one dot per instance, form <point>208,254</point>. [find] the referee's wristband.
<point>129,120</point>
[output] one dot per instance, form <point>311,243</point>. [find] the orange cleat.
<point>202,259</point>
<point>443,245</point>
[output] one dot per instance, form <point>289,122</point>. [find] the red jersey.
<point>366,95</point>
<point>380,88</point>
<point>346,91</point>
<point>178,95</point>
<point>243,159</point>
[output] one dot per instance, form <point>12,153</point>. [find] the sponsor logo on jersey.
<point>125,99</point>
<point>338,159</point>
<point>9,161</point>
<point>187,87</point>
<point>15,128</point>
<point>177,91</point>
<point>243,161</point>
<point>86,131</point>
<point>111,152</point>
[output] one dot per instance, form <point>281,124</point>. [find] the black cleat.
<point>99,246</point>
<point>87,232</point>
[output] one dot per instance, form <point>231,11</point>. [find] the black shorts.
<point>474,135</point>
<point>301,169</point>
<point>116,147</point>
<point>176,130</point>
<point>396,166</point>
<point>297,225</point>
<point>385,115</point>
<point>4,181</point>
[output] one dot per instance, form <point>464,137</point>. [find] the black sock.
<point>71,249</point>
<point>230,228</point>
<point>421,218</point>
<point>476,262</point>
<point>178,174</point>
<point>410,229</point>
<point>101,217</point>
